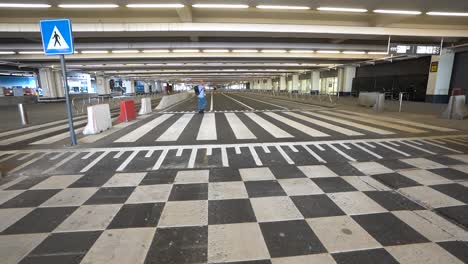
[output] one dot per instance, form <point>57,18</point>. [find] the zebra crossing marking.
<point>207,129</point>
<point>241,131</point>
<point>335,128</point>
<point>367,150</point>
<point>173,132</point>
<point>62,162</point>
<point>296,125</point>
<point>269,127</point>
<point>393,149</point>
<point>144,129</point>
<point>95,161</point>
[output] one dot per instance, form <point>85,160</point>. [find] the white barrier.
<point>368,99</point>
<point>456,108</point>
<point>145,106</point>
<point>169,100</point>
<point>99,119</point>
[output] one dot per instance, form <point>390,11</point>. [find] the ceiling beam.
<point>185,14</point>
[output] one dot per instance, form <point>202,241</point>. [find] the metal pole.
<point>23,115</point>
<point>67,98</point>
<point>401,101</point>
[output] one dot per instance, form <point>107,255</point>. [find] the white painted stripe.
<point>127,161</point>
<point>29,162</point>
<point>285,156</point>
<point>438,141</point>
<point>393,149</point>
<point>144,129</point>
<point>207,129</point>
<point>160,160</point>
<point>239,102</point>
<point>263,102</point>
<point>60,163</point>
<point>378,123</point>
<point>405,122</point>
<point>93,138</point>
<point>26,129</point>
<point>58,156</point>
<point>440,146</point>
<point>417,143</point>
<point>209,151</point>
<point>351,124</point>
<point>369,145</point>
<point>293,149</point>
<point>9,157</point>
<point>346,156</point>
<point>56,138</point>
<point>224,157</point>
<point>238,150</point>
<point>393,143</point>
<point>95,161</point>
<point>26,156</point>
<point>368,151</point>
<point>296,125</point>
<point>344,146</point>
<point>455,142</point>
<point>418,148</point>
<point>193,156</point>
<point>173,133</point>
<point>39,133</point>
<point>269,127</point>
<point>238,127</point>
<point>119,154</point>
<point>317,122</point>
<point>255,156</point>
<point>149,154</point>
<point>87,156</point>
<point>179,152</point>
<point>319,147</point>
<point>315,155</point>
<point>266,149</point>
<point>212,102</point>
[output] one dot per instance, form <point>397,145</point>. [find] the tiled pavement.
<point>394,211</point>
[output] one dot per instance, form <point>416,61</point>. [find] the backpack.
<point>197,92</point>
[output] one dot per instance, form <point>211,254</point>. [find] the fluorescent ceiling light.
<point>155,5</point>
<point>186,50</point>
<point>7,52</point>
<point>301,51</point>
<point>283,7</point>
<point>446,14</point>
<point>157,51</point>
<point>353,52</point>
<point>31,52</point>
<point>342,9</point>
<point>245,51</point>
<point>328,51</point>
<point>274,51</point>
<point>377,53</point>
<point>88,6</point>
<point>125,51</point>
<point>219,6</point>
<point>8,5</point>
<point>94,52</point>
<point>397,12</point>
<point>216,50</point>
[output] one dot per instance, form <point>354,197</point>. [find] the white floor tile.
<point>11,215</point>
<point>423,163</point>
<point>227,190</point>
<point>125,179</point>
<point>356,203</point>
<point>371,168</point>
<point>186,213</point>
<point>365,183</point>
<point>430,196</point>
<point>89,217</point>
<point>426,253</point>
<point>462,168</point>
<point>7,195</point>
<point>70,197</point>
<point>256,174</point>
<point>192,176</point>
<point>424,177</point>
<point>270,209</point>
<point>307,259</point>
<point>150,194</point>
<point>15,247</point>
<point>299,186</point>
<point>56,182</point>
<point>317,171</point>
<point>462,158</point>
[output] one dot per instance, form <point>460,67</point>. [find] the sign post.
<point>57,39</point>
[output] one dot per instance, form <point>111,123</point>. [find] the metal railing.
<point>80,105</point>
<point>329,99</point>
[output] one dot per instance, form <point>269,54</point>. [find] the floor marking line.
<point>60,163</point>
<point>369,145</point>
<point>173,132</point>
<point>239,102</point>
<point>296,125</point>
<point>209,151</point>
<point>119,154</point>
<point>440,146</point>
<point>293,149</point>
<point>255,156</point>
<point>394,149</point>
<point>207,129</point>
<point>127,161</point>
<point>393,143</point>
<point>417,143</point>
<point>58,156</point>
<point>224,157</point>
<point>238,150</point>
<point>95,161</point>
<point>149,154</point>
<point>179,152</point>
<point>436,141</point>
<point>345,146</point>
<point>268,127</point>
<point>144,129</point>
<point>261,101</point>
<point>326,125</point>
<point>93,138</point>
<point>319,147</point>
<point>193,156</point>
<point>160,160</point>
<point>266,149</point>
<point>346,156</point>
<point>315,155</point>
<point>418,148</point>
<point>56,138</point>
<point>87,156</point>
<point>9,157</point>
<point>366,150</point>
<point>26,156</point>
<point>211,103</point>
<point>241,131</point>
<point>285,156</point>
<point>29,162</point>
<point>455,142</point>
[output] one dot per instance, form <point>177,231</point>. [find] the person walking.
<point>201,98</point>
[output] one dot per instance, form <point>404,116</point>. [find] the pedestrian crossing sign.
<point>57,38</point>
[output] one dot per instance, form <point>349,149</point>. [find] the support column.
<point>59,84</point>
<point>440,74</point>
<point>315,81</point>
<point>269,84</point>
<point>345,80</point>
<point>295,82</point>
<point>47,82</point>
<point>102,85</point>
<point>129,85</point>
<point>283,84</point>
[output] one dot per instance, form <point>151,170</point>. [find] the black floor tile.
<point>458,214</point>
<point>62,248</point>
<point>450,174</point>
<point>333,185</point>
<point>113,195</point>
<point>179,246</point>
<point>395,164</point>
<point>91,180</point>
<point>27,183</point>
<point>393,201</point>
<point>230,211</point>
<point>444,160</point>
<point>188,192</point>
<point>159,177</point>
<point>31,198</point>
<point>264,189</point>
<point>312,206</point>
<point>388,230</point>
<point>224,175</point>
<point>266,261</point>
<point>370,256</point>
<point>456,191</point>
<point>290,238</point>
<point>137,215</point>
<point>395,180</point>
<point>457,248</point>
<point>287,172</point>
<point>40,220</point>
<point>344,169</point>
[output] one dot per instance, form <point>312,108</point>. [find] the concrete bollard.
<point>145,106</point>
<point>99,119</point>
<point>23,115</point>
<point>456,108</point>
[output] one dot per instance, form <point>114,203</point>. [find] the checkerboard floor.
<point>394,211</point>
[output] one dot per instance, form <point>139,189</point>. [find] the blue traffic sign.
<point>57,38</point>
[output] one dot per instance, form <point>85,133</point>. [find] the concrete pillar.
<point>440,74</point>
<point>315,81</point>
<point>283,84</point>
<point>345,80</point>
<point>102,85</point>
<point>269,84</point>
<point>60,91</point>
<point>47,82</point>
<point>295,82</point>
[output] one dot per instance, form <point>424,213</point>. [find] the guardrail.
<point>81,104</point>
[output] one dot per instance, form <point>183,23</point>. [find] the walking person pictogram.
<point>57,39</point>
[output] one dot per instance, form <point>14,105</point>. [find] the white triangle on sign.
<point>56,41</point>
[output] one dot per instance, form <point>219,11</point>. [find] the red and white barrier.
<point>99,119</point>
<point>127,111</point>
